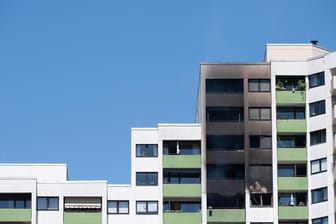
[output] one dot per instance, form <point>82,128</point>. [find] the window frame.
<point>146,209</point>
<point>259,113</point>
<point>322,135</point>
<point>320,82</point>
<point>143,154</point>
<point>321,195</point>
<point>117,207</point>
<point>321,105</point>
<point>319,164</point>
<point>47,208</point>
<point>320,220</point>
<point>258,83</point>
<point>147,179</point>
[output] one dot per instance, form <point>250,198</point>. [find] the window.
<point>260,113</point>
<point>292,199</point>
<point>224,86</point>
<point>259,85</point>
<point>318,166</point>
<point>316,79</point>
<point>295,170</point>
<point>181,176</point>
<point>318,137</point>
<point>47,203</point>
<point>225,114</point>
<point>225,172</point>
<point>319,195</point>
<point>260,142</point>
<point>284,113</point>
<point>181,147</point>
<point>181,206</point>
<point>317,108</point>
<point>225,142</point>
<point>291,141</point>
<point>146,179</point>
<point>15,201</point>
<point>117,207</point>
<point>147,207</point>
<point>146,150</point>
<point>322,220</point>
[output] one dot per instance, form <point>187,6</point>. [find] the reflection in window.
<point>146,179</point>
<point>291,141</point>
<point>292,199</point>
<point>15,200</point>
<point>117,207</point>
<point>318,166</point>
<point>184,176</point>
<point>182,206</point>
<point>317,108</point>
<point>291,113</point>
<point>147,207</point>
<point>292,170</point>
<point>47,203</point>
<point>146,150</point>
<point>319,195</point>
<point>224,85</point>
<point>316,79</point>
<point>318,137</point>
<point>322,220</point>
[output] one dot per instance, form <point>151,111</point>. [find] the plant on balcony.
<point>302,85</point>
<point>279,85</point>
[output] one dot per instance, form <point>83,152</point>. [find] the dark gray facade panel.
<point>225,157</point>
<point>233,100</point>
<point>225,128</point>
<point>260,156</point>
<point>226,187</point>
<point>260,127</point>
<point>259,99</point>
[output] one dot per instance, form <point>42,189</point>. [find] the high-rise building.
<point>261,152</point>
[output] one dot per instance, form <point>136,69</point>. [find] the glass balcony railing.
<point>15,215</point>
<point>82,217</point>
<point>226,215</point>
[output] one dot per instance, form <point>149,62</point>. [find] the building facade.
<point>261,152</point>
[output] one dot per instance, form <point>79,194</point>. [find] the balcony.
<point>291,126</point>
<point>182,217</point>
<point>182,190</point>
<point>292,183</point>
<point>292,154</point>
<point>293,212</point>
<point>82,217</point>
<point>15,215</point>
<point>226,215</point>
<point>290,97</point>
<point>181,161</point>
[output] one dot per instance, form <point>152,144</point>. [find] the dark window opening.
<point>217,201</point>
<point>225,172</point>
<point>292,170</point>
<point>225,114</point>
<point>146,179</point>
<point>293,199</point>
<point>261,199</point>
<point>225,142</point>
<point>181,147</point>
<point>15,200</point>
<point>284,113</point>
<point>318,137</point>
<point>316,79</point>
<point>224,85</point>
<point>260,142</point>
<point>185,176</point>
<point>181,206</point>
<point>291,141</point>
<point>317,108</point>
<point>290,83</point>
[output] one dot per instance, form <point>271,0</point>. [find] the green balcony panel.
<point>181,161</point>
<point>15,215</point>
<point>291,126</point>
<point>182,217</point>
<point>289,97</point>
<point>292,154</point>
<point>182,190</point>
<point>82,217</point>
<point>292,183</point>
<point>293,212</point>
<point>226,215</point>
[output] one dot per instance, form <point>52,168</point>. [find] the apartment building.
<point>267,131</point>
<point>261,152</point>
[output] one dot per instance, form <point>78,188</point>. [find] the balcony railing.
<point>293,212</point>
<point>291,126</point>
<point>182,217</point>
<point>226,215</point>
<point>182,190</point>
<point>292,183</point>
<point>15,215</point>
<point>292,154</point>
<point>181,161</point>
<point>290,97</point>
<point>82,217</point>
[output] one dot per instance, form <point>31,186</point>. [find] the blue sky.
<point>75,76</point>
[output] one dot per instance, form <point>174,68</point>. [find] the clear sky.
<point>76,75</point>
